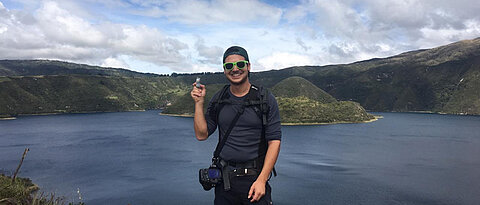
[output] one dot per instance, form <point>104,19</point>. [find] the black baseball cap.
<point>235,50</point>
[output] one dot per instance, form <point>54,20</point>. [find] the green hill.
<point>302,110</point>
<point>299,102</point>
<point>51,67</point>
<point>67,94</point>
<point>302,102</point>
<point>445,79</point>
<point>298,86</point>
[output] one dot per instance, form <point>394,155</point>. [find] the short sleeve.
<point>273,129</point>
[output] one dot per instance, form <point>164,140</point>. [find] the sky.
<point>187,36</point>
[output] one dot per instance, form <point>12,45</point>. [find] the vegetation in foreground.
<point>23,191</point>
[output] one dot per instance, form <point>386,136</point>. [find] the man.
<point>242,150</point>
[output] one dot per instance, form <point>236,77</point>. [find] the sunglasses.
<point>239,64</point>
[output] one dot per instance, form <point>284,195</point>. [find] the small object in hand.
<point>197,83</point>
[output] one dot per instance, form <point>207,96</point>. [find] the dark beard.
<point>242,81</point>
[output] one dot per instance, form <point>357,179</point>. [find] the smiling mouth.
<point>236,74</point>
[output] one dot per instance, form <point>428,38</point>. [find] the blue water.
<point>147,158</point>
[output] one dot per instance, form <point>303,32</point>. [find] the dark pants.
<point>240,186</point>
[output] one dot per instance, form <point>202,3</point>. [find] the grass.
<point>302,110</point>
<point>24,191</point>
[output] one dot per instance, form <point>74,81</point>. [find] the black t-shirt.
<point>244,140</point>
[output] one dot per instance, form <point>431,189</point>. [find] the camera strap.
<point>218,149</point>
<point>222,142</point>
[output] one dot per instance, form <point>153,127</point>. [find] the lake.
<point>147,158</point>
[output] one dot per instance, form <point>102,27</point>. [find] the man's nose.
<point>235,68</point>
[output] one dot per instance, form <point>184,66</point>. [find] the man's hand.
<point>199,123</point>
<point>198,94</point>
<point>257,190</point>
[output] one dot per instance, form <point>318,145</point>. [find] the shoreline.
<point>376,117</point>
<point>191,116</point>
<point>177,115</point>
<point>429,112</point>
<point>63,113</point>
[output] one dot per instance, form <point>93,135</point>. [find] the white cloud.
<point>211,12</point>
<point>190,36</point>
<point>114,63</point>
<point>356,30</point>
<point>197,68</point>
<point>147,44</point>
<point>434,37</point>
<point>279,60</point>
<point>302,44</point>
<point>59,25</point>
<point>211,54</point>
<point>55,33</point>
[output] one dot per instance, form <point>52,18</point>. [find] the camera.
<point>210,177</point>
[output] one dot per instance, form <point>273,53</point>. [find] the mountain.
<point>297,86</point>
<point>301,102</point>
<point>445,79</point>
<point>84,93</point>
<point>51,67</point>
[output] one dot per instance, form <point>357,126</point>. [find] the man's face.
<point>236,76</point>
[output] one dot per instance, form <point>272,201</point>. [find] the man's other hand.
<point>257,191</point>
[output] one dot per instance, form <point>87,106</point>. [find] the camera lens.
<point>213,173</point>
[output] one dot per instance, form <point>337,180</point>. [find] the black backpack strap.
<point>222,142</point>
<point>262,150</point>
<point>218,102</point>
<point>264,95</point>
<point>264,105</point>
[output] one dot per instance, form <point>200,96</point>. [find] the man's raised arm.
<point>199,122</point>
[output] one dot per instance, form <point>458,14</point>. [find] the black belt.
<point>255,164</point>
<point>248,164</point>
<point>244,172</point>
<point>238,169</point>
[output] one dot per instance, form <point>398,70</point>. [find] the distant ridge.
<point>445,79</point>
<point>21,95</point>
<point>53,67</point>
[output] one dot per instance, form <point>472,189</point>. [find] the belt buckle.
<point>239,173</point>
